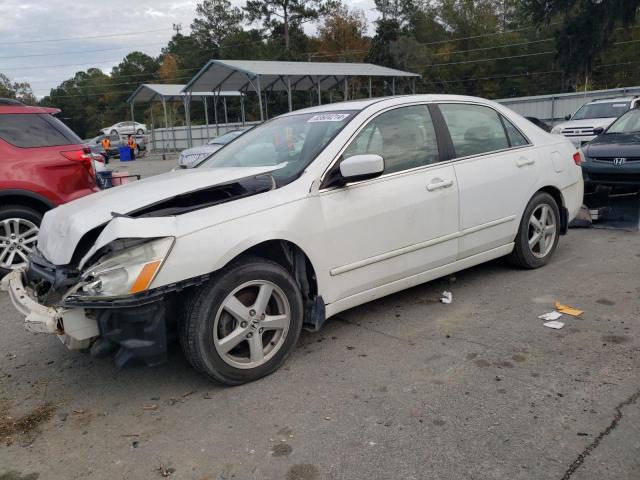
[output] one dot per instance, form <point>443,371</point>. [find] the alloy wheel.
<point>17,238</point>
<point>251,324</point>
<point>542,230</point>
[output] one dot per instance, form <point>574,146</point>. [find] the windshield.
<point>294,141</point>
<point>627,123</point>
<point>601,110</point>
<point>226,138</point>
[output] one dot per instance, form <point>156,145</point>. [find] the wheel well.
<point>291,257</point>
<point>25,201</point>
<point>555,193</point>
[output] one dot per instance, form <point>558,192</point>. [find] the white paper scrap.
<point>328,117</point>
<point>447,297</point>
<point>554,324</point>
<point>550,316</point>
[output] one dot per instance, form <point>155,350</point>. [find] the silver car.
<point>125,128</point>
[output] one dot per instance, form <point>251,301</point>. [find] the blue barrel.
<point>125,154</point>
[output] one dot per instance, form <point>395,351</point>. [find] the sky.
<point>40,44</point>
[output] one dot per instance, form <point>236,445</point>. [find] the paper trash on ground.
<point>554,324</point>
<point>550,316</point>
<point>574,312</point>
<point>447,297</point>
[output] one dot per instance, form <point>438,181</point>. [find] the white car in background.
<point>125,128</point>
<point>593,118</point>
<point>190,157</point>
<point>309,214</point>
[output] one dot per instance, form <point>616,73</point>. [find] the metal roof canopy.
<point>163,92</point>
<point>149,92</point>
<point>263,75</point>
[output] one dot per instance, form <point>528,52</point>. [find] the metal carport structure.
<point>262,76</point>
<point>163,93</point>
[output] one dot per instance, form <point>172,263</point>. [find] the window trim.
<point>441,153</point>
<point>446,131</point>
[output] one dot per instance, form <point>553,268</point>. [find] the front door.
<point>496,172</point>
<point>397,225</point>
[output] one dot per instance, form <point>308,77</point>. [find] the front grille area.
<point>610,159</point>
<point>577,131</point>
<point>48,281</point>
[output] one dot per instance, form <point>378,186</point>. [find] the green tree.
<point>285,14</point>
<point>20,91</point>
<point>587,28</point>
<point>216,19</point>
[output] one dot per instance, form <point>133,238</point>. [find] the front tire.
<point>244,323</point>
<point>538,233</point>
<point>114,133</point>
<point>18,234</point>
<point>140,131</point>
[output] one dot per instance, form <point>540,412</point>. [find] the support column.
<point>132,102</point>
<point>206,115</point>
<point>413,85</point>
<point>319,91</point>
<point>259,92</point>
<point>166,122</point>
<point>393,86</point>
<point>215,112</point>
<point>370,89</point>
<point>187,113</point>
<point>242,110</point>
<point>289,98</point>
<point>226,119</point>
<point>153,128</point>
<point>346,88</point>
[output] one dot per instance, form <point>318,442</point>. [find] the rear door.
<point>397,225</point>
<point>496,171</point>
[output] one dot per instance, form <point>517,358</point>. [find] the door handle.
<point>438,183</point>
<point>523,162</point>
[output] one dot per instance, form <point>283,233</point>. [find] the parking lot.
<point>405,387</point>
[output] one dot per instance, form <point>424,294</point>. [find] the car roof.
<point>6,108</point>
<point>613,100</point>
<point>359,105</point>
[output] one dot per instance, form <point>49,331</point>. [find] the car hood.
<point>63,227</point>
<point>588,122</point>
<point>614,145</point>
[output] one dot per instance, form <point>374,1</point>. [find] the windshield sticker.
<point>328,117</point>
<point>619,105</point>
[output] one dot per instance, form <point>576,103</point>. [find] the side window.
<point>515,137</point>
<point>35,130</point>
<point>474,129</point>
<point>404,137</point>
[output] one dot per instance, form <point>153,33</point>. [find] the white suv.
<point>593,118</point>
<point>306,215</point>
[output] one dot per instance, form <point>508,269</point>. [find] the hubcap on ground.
<point>251,325</point>
<point>542,230</point>
<point>17,238</point>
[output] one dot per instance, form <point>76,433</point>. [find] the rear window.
<point>35,130</point>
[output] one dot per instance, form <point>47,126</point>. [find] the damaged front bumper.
<point>72,326</point>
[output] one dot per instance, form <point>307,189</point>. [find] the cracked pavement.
<point>402,388</point>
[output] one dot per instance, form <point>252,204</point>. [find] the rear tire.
<point>538,233</point>
<point>17,235</point>
<point>244,323</point>
<point>114,133</point>
<point>140,132</point>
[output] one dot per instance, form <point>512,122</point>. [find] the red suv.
<point>42,164</point>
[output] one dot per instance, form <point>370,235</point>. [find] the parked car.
<point>613,158</point>
<point>597,114</point>
<point>95,144</point>
<point>125,128</point>
<point>42,164</point>
<point>304,216</point>
<point>190,157</point>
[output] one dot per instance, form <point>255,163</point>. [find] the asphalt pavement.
<point>405,387</point>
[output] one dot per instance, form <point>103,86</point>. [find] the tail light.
<point>83,156</point>
<point>577,158</point>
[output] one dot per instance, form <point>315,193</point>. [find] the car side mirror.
<point>361,167</point>
<point>598,130</point>
<point>567,117</point>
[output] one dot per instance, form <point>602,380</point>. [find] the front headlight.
<point>124,272</point>
<point>556,130</point>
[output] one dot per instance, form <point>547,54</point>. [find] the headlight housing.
<point>556,130</point>
<point>124,272</point>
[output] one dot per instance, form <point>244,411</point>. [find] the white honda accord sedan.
<point>307,215</point>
